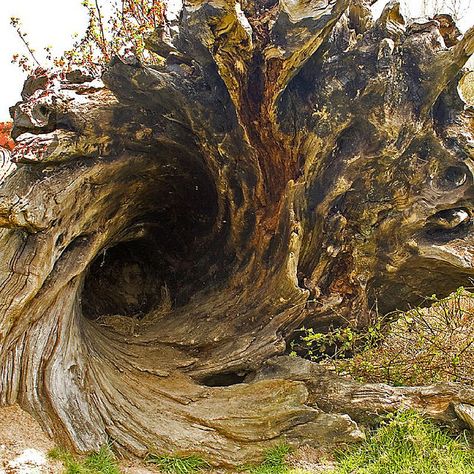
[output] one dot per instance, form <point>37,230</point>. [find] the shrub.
<point>336,343</point>
<point>423,346</point>
<point>407,443</point>
<point>417,347</point>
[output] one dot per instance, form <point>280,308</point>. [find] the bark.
<point>165,229</point>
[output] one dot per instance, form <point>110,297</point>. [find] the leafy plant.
<point>417,347</point>
<point>407,443</point>
<point>337,343</point>
<point>178,464</point>
<point>27,62</point>
<point>102,462</point>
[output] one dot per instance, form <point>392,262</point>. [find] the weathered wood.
<point>167,227</point>
<point>447,403</point>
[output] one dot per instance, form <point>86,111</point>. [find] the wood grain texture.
<point>166,228</point>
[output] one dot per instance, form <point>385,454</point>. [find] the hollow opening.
<point>226,379</point>
<point>454,177</point>
<point>448,224</point>
<point>125,280</point>
<point>151,260</point>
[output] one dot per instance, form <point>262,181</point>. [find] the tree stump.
<point>165,229</point>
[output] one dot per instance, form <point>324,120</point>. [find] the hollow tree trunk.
<point>164,231</point>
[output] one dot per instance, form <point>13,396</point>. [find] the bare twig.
<point>15,22</point>
<point>100,21</point>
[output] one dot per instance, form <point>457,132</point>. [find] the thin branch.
<point>101,26</point>
<point>15,23</point>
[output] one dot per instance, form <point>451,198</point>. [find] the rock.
<point>31,461</point>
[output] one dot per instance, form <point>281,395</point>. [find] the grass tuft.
<point>178,464</point>
<point>407,443</point>
<point>274,461</point>
<point>101,462</point>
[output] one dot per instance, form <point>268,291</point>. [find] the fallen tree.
<point>166,229</point>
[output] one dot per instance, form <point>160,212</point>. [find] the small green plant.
<point>101,462</point>
<point>274,461</point>
<point>336,343</point>
<point>178,464</point>
<point>421,346</point>
<point>407,443</point>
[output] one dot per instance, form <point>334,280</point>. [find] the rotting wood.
<point>166,228</point>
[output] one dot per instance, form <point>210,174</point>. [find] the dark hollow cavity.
<point>155,255</point>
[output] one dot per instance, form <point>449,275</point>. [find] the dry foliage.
<point>423,346</point>
<point>121,32</point>
<point>466,87</point>
<point>6,140</point>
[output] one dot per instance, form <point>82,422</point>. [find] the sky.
<point>53,22</point>
<point>47,22</point>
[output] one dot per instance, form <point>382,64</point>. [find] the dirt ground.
<point>24,448</point>
<point>23,445</point>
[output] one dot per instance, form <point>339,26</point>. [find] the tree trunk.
<point>166,230</point>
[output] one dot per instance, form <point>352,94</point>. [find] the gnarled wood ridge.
<point>165,230</point>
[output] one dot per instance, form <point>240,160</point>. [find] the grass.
<point>101,462</point>
<point>178,464</point>
<point>406,443</point>
<point>274,461</point>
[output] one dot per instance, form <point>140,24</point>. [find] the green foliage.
<point>408,444</point>
<point>274,461</point>
<point>23,60</point>
<point>337,343</point>
<point>102,462</point>
<point>122,33</point>
<point>178,464</point>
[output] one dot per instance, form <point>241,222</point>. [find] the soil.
<point>24,447</point>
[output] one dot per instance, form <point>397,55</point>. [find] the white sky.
<point>47,22</point>
<point>53,22</point>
